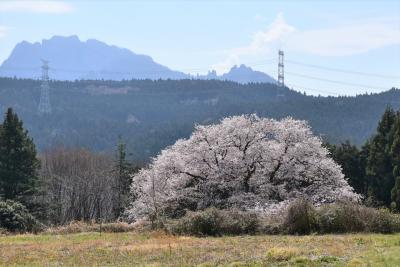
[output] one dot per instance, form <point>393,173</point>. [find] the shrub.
<point>345,217</point>
<point>71,228</point>
<point>207,222</point>
<point>300,217</point>
<point>118,227</point>
<point>239,222</point>
<point>82,227</point>
<point>381,221</point>
<point>271,225</point>
<point>340,218</point>
<point>3,231</point>
<point>349,217</point>
<point>14,217</point>
<point>215,222</point>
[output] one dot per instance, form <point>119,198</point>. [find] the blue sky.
<point>196,36</point>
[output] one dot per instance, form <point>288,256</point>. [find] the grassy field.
<point>158,249</point>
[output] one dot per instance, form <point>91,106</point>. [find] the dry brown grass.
<point>160,249</point>
<point>83,227</point>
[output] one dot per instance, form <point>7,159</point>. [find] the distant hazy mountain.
<point>241,74</point>
<point>71,58</point>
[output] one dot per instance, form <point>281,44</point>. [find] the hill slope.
<point>151,115</point>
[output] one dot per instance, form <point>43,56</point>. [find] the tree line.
<point>64,184</point>
<point>61,184</point>
<point>154,114</point>
<point>374,169</point>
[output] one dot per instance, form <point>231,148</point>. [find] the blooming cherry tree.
<point>244,162</point>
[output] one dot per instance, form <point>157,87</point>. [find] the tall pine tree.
<point>379,163</point>
<point>18,161</point>
<point>122,170</point>
<point>374,170</point>
<point>395,154</point>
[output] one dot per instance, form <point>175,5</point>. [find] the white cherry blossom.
<point>244,162</point>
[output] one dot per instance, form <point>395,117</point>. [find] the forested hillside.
<point>151,115</point>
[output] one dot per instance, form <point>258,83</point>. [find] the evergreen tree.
<point>368,180</point>
<point>123,170</point>
<point>349,158</point>
<point>396,194</point>
<point>18,161</point>
<point>374,170</point>
<point>379,163</point>
<point>395,154</point>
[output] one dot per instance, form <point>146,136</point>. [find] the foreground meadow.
<point>159,249</point>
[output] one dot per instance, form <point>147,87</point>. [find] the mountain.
<point>71,59</point>
<point>241,74</point>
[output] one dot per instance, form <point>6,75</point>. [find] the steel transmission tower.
<point>44,103</point>
<point>281,72</point>
<point>281,76</point>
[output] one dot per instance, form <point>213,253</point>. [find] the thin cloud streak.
<point>55,7</point>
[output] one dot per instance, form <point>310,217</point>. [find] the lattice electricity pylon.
<point>281,77</point>
<point>281,71</point>
<point>44,103</point>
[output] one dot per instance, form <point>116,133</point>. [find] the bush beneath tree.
<point>301,217</point>
<point>14,217</point>
<point>217,222</point>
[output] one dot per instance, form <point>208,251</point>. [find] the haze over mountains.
<point>71,58</point>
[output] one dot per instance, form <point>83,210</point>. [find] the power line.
<point>334,81</point>
<point>392,102</point>
<point>311,89</point>
<point>344,71</point>
<point>253,63</point>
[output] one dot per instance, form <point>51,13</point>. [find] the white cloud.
<point>35,6</point>
<point>357,37</point>
<point>277,31</point>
